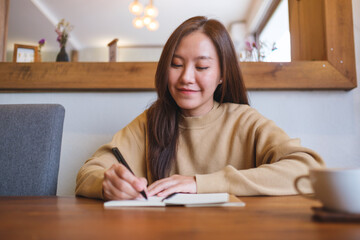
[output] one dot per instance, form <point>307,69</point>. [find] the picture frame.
<point>25,53</point>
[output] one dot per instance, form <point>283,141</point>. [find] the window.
<point>275,37</point>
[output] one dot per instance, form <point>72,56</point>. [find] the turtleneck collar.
<point>201,121</point>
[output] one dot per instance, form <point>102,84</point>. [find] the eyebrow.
<point>197,58</point>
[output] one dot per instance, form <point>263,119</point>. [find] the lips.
<point>187,90</point>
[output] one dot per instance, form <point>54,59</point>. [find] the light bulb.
<point>151,11</point>
<point>138,22</point>
<point>153,25</point>
<point>136,8</point>
<point>147,20</point>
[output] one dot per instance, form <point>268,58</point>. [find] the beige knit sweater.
<point>231,149</point>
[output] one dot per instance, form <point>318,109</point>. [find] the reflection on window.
<point>275,38</point>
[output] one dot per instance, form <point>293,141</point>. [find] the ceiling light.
<point>136,8</point>
<point>153,26</point>
<point>151,11</point>
<point>147,20</point>
<point>148,17</point>
<point>138,22</point>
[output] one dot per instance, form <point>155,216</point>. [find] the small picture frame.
<point>25,53</point>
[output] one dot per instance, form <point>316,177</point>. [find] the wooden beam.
<point>140,76</point>
<point>336,71</point>
<point>300,75</point>
<point>77,76</point>
<point>307,30</point>
<point>340,37</point>
<point>4,16</point>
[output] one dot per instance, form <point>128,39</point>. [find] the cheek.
<point>173,76</point>
<point>210,81</point>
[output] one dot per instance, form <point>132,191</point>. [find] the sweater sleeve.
<point>131,143</point>
<point>277,161</point>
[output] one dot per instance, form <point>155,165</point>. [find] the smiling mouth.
<point>185,90</point>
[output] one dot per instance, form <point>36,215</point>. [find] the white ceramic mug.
<point>337,189</point>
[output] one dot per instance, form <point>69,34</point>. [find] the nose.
<point>188,75</point>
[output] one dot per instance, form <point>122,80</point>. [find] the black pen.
<point>169,196</point>
<point>121,160</point>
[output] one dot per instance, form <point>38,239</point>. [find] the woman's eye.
<point>176,65</point>
<point>202,68</point>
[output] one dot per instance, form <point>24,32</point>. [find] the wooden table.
<point>80,218</point>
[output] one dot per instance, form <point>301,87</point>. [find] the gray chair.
<point>30,144</point>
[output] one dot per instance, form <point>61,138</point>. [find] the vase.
<point>39,56</point>
<point>62,55</point>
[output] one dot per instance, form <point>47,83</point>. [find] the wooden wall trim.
<point>140,76</point>
<point>307,30</point>
<point>340,37</point>
<point>4,16</point>
<point>337,71</point>
<point>77,76</point>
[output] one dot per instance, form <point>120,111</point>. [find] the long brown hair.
<point>162,116</point>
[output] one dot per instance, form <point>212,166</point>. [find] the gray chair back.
<point>30,145</point>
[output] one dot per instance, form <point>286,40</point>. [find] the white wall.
<point>124,54</point>
<point>326,121</point>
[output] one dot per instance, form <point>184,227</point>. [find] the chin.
<point>186,104</point>
<point>186,107</point>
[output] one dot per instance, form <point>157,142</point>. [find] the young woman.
<point>200,135</point>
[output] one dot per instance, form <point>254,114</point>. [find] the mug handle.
<point>298,189</point>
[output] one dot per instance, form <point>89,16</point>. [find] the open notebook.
<point>181,199</point>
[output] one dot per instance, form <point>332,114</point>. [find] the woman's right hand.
<point>120,184</point>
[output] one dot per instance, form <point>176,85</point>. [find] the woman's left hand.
<point>173,184</point>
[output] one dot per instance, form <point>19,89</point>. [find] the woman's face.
<point>194,74</point>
